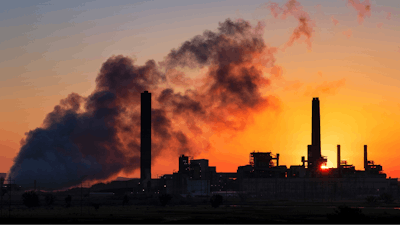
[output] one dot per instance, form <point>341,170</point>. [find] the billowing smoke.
<point>96,137</point>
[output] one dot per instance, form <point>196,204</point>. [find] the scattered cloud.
<point>334,21</point>
<point>348,33</point>
<point>363,9</point>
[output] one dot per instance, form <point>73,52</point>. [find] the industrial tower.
<point>145,139</point>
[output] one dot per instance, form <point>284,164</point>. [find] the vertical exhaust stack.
<point>316,129</point>
<point>338,156</point>
<point>365,158</point>
<point>145,138</point>
<point>277,159</point>
<point>314,150</point>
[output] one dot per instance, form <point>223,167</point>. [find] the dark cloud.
<point>96,137</point>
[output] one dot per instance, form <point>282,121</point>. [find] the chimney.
<point>365,158</point>
<point>302,160</point>
<point>277,159</point>
<point>314,150</point>
<point>338,156</point>
<point>145,137</point>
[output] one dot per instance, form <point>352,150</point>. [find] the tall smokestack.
<point>145,137</point>
<point>338,156</point>
<point>365,158</point>
<point>314,150</point>
<point>316,129</point>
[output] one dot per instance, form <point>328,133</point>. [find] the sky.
<point>346,54</point>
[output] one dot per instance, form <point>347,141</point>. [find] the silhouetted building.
<point>145,138</point>
<point>184,166</point>
<point>198,169</point>
<point>265,178</point>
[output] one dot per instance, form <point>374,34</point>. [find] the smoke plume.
<point>348,33</point>
<point>325,88</point>
<point>363,9</point>
<point>96,137</point>
<point>334,21</point>
<point>305,27</point>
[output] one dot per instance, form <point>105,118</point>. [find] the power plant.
<point>263,177</point>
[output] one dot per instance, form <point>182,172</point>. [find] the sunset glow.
<point>244,85</point>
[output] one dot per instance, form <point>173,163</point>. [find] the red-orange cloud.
<point>363,9</point>
<point>348,33</point>
<point>334,21</point>
<point>305,27</point>
<point>325,88</point>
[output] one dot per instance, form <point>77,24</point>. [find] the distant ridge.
<point>123,179</point>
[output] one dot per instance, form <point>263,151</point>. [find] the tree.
<point>371,200</point>
<point>345,214</point>
<point>216,200</point>
<point>126,200</point>
<point>68,200</point>
<point>164,199</point>
<point>49,199</point>
<point>387,198</point>
<point>30,199</point>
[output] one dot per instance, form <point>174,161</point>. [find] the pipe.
<point>338,156</point>
<point>365,158</point>
<point>277,159</point>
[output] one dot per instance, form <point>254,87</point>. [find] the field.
<point>194,210</point>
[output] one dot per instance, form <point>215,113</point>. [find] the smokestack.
<point>365,158</point>
<point>316,130</point>
<point>338,156</point>
<point>302,160</point>
<point>277,159</point>
<point>314,150</point>
<point>145,137</point>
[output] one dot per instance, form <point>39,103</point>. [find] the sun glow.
<point>324,167</point>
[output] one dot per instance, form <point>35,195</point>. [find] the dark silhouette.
<point>96,206</point>
<point>345,214</point>
<point>30,199</point>
<point>68,200</point>
<point>216,200</point>
<point>49,199</point>
<point>125,201</point>
<point>165,199</point>
<point>371,200</point>
<point>145,138</point>
<point>387,198</point>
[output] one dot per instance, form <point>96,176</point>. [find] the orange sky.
<point>352,66</point>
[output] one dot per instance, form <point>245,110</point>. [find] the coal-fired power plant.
<point>264,176</point>
<point>145,138</point>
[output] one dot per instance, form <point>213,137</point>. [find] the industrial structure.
<point>145,139</point>
<point>264,177</point>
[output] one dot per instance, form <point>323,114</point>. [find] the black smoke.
<point>96,137</point>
